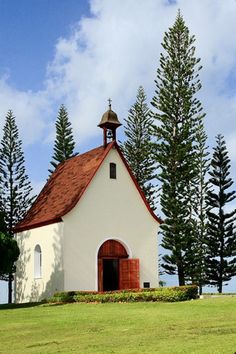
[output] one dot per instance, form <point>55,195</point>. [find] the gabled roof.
<point>66,186</point>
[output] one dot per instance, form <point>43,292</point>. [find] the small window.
<point>146,285</point>
<point>112,170</point>
<point>37,262</point>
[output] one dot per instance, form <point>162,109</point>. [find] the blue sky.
<point>29,30</point>
<point>81,52</point>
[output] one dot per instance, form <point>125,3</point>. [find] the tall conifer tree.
<point>15,186</point>
<point>198,193</point>
<point>64,143</point>
<point>137,147</point>
<point>221,239</point>
<point>177,113</point>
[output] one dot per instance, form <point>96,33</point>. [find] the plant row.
<point>167,294</point>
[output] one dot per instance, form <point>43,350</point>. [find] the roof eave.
<point>28,227</point>
<point>107,149</point>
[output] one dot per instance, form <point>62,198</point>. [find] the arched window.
<point>37,262</point>
<point>112,170</point>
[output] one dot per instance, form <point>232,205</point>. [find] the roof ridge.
<point>79,195</point>
<point>66,186</point>
<point>63,195</point>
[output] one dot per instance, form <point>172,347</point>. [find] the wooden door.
<point>129,273</point>
<point>110,249</point>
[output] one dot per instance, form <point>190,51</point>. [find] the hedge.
<point>165,294</point>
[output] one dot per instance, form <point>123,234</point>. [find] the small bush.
<point>63,296</point>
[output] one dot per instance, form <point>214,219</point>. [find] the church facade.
<point>90,228</point>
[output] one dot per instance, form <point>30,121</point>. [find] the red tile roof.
<point>66,186</point>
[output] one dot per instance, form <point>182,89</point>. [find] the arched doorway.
<point>115,270</point>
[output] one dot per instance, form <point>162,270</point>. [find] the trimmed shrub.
<point>171,294</point>
<point>63,296</point>
<point>164,294</point>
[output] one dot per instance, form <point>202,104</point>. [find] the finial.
<point>109,123</point>
<point>109,103</point>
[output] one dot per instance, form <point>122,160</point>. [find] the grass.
<point>197,326</point>
<point>218,294</point>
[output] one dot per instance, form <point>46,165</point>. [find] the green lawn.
<point>197,326</point>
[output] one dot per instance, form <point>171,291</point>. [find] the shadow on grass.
<point>19,306</point>
<point>29,305</point>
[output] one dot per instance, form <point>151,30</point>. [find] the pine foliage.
<point>15,188</point>
<point>137,147</point>
<point>199,189</point>
<point>221,240</point>
<point>64,143</point>
<point>9,251</point>
<point>177,113</point>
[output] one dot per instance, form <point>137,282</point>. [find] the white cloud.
<point>117,48</point>
<point>108,55</point>
<point>31,111</point>
<point>231,146</point>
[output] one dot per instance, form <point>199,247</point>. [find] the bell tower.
<point>109,123</point>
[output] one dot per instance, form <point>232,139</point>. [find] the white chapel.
<point>90,228</point>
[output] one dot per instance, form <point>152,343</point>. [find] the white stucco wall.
<point>109,209</point>
<point>50,239</point>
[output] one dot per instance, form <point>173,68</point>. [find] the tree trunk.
<point>181,275</point>
<point>10,289</point>
<point>220,287</point>
<point>220,281</point>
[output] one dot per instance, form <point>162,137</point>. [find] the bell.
<point>109,123</point>
<point>109,120</point>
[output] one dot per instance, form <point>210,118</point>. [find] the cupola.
<point>109,123</point>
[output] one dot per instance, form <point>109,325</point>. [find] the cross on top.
<point>109,102</point>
